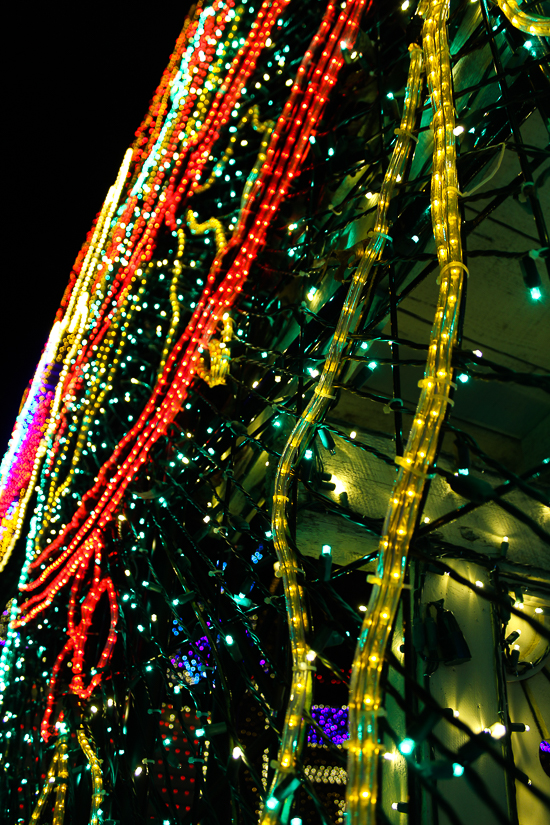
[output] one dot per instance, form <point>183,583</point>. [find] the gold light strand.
<point>298,620</point>
<point>97,777</point>
<point>365,693</point>
<point>528,23</point>
<point>265,128</point>
<point>98,389</point>
<point>56,777</point>
<point>201,228</point>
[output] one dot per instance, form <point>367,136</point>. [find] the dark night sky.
<point>80,86</point>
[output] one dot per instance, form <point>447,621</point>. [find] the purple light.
<point>545,746</point>
<point>333,721</point>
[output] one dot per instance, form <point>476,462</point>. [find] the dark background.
<point>77,86</point>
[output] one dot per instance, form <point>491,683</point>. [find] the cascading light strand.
<point>323,391</point>
<point>366,690</point>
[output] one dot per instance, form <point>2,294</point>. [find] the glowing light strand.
<point>366,691</point>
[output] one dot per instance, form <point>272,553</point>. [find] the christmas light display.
<point>236,591</point>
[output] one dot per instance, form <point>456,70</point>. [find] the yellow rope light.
<point>528,23</point>
<point>56,777</point>
<point>97,777</point>
<point>299,706</point>
<point>366,692</point>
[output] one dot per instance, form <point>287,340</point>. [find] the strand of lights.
<point>97,777</point>
<point>317,405</point>
<point>366,692</point>
<point>528,23</point>
<point>57,777</point>
<point>156,417</point>
<point>293,732</point>
<point>73,563</point>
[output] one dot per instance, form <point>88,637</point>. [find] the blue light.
<point>458,769</point>
<point>407,746</point>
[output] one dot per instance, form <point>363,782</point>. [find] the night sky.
<point>81,84</point>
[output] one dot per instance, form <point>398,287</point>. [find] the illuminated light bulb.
<point>353,434</point>
<point>405,5</point>
<point>272,802</point>
<point>536,293</point>
<point>478,353</point>
<point>497,730</point>
<point>458,769</point>
<point>407,746</point>
<point>538,610</point>
<point>372,365</point>
<point>308,454</point>
<point>229,640</point>
<point>138,770</point>
<point>237,753</point>
<point>326,550</point>
<point>296,820</point>
<point>391,757</point>
<point>479,584</point>
<point>463,378</point>
<point>199,732</point>
<point>426,520</point>
<point>311,655</point>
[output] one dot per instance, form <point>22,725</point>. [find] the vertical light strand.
<point>97,777</point>
<point>366,691</point>
<point>301,691</point>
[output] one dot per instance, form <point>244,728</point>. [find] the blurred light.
<point>229,640</point>
<point>407,746</point>
<point>463,378</point>
<point>272,803</point>
<point>326,550</point>
<point>237,753</point>
<point>458,769</point>
<point>479,584</point>
<point>536,294</point>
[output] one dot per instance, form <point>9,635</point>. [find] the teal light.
<point>407,746</point>
<point>296,820</point>
<point>308,454</point>
<point>272,803</point>
<point>199,732</point>
<point>458,769</point>
<point>536,294</point>
<point>527,44</point>
<point>463,471</point>
<point>326,550</point>
<point>372,365</point>
<point>463,378</point>
<point>364,345</point>
<point>229,640</point>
